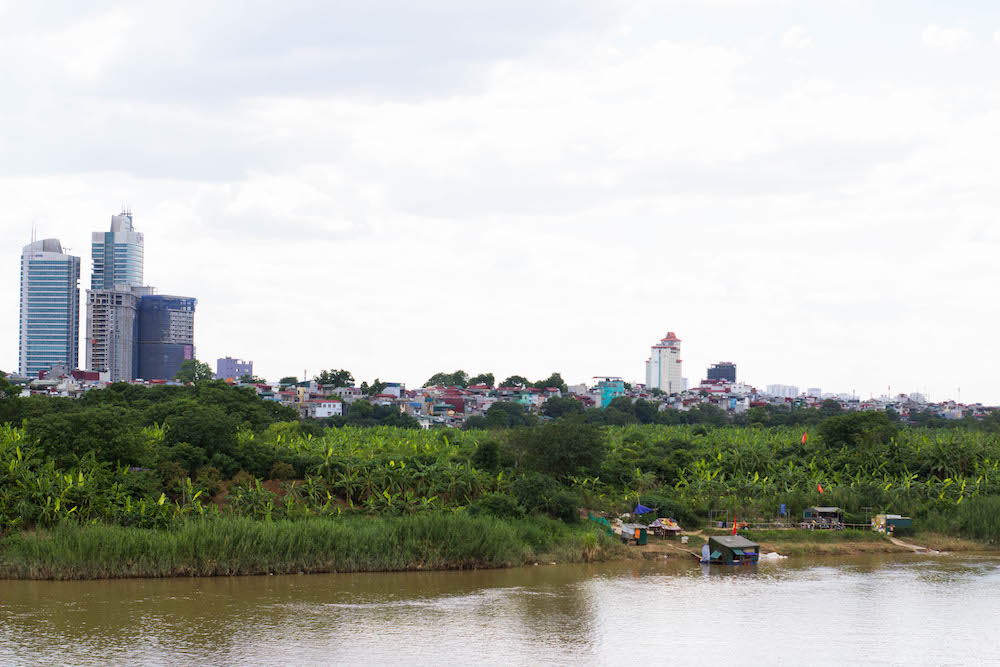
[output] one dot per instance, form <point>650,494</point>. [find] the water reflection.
<point>873,610</point>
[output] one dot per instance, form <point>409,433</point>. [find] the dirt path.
<point>914,547</point>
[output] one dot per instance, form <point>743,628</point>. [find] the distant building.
<point>166,335</point>
<point>814,392</point>
<point>610,388</point>
<point>663,368</point>
<point>50,308</point>
<point>112,332</point>
<point>782,390</point>
<point>724,370</point>
<point>228,367</point>
<point>117,254</point>
<point>112,335</point>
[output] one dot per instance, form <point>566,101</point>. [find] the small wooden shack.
<point>732,550</point>
<point>665,528</point>
<point>823,517</point>
<point>633,531</point>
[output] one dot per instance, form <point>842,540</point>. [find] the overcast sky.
<point>807,189</point>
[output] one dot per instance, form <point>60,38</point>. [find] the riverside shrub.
<point>498,505</point>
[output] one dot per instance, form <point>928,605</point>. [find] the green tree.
<point>8,390</point>
<point>373,389</point>
<point>858,429</point>
<point>706,413</point>
<point>561,448</point>
<point>335,378</point>
<point>645,411</point>
<point>506,414</point>
<point>360,410</point>
<point>554,380</point>
<point>456,379</point>
<point>195,371</point>
<point>483,378</point>
<point>560,406</point>
<point>252,379</point>
<point>516,381</point>
<point>288,380</point>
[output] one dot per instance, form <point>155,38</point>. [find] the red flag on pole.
<point>820,488</point>
<point>734,526</point>
<point>805,436</point>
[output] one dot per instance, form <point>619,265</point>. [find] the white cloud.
<point>330,208</point>
<point>796,37</point>
<point>947,39</point>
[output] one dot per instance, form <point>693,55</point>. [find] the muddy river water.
<point>859,610</point>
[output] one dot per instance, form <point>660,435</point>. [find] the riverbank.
<point>222,547</point>
<point>799,543</point>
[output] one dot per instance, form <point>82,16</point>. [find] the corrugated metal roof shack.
<point>732,550</point>
<point>823,517</point>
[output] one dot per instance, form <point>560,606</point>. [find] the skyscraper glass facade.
<point>50,308</point>
<point>166,335</point>
<point>113,298</point>
<point>117,254</point>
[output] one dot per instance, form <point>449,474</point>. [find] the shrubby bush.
<point>497,504</point>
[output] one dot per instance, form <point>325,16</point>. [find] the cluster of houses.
<point>435,406</point>
<point>439,406</point>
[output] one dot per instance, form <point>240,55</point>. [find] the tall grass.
<point>980,519</point>
<point>241,546</point>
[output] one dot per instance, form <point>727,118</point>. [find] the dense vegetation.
<point>244,546</point>
<point>157,457</point>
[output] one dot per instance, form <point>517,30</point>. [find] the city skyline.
<point>524,188</point>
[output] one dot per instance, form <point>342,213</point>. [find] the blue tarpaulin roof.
<point>642,509</point>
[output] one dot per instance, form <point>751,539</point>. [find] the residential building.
<point>663,368</point>
<point>724,370</point>
<point>782,390</point>
<point>323,408</point>
<point>117,254</point>
<point>229,368</point>
<point>166,335</point>
<point>50,308</point>
<point>610,388</point>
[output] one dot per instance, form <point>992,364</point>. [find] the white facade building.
<point>324,408</point>
<point>783,390</point>
<point>663,368</point>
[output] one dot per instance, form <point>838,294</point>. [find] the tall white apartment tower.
<point>663,368</point>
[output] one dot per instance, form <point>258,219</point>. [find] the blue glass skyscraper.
<point>50,308</point>
<point>117,254</point>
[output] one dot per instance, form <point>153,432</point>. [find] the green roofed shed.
<point>733,550</point>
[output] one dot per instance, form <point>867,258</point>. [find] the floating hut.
<point>732,550</point>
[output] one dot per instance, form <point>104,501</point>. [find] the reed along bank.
<point>241,546</point>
